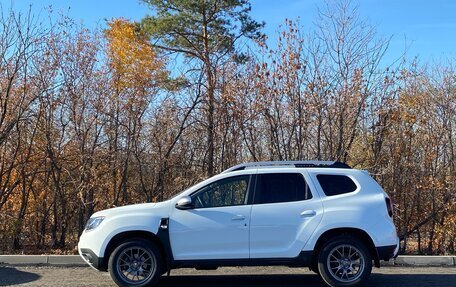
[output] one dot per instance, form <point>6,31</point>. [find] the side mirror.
<point>184,203</point>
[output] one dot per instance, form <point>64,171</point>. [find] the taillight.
<point>389,206</point>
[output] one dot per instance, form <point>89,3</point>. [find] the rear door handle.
<point>238,217</point>
<point>308,213</point>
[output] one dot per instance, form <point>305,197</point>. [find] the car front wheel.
<point>135,263</point>
<point>344,261</point>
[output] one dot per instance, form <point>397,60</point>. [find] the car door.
<point>217,226</point>
<point>284,215</point>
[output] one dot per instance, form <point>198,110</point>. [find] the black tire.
<point>135,263</point>
<point>344,261</point>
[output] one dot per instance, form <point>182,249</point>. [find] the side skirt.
<point>302,260</point>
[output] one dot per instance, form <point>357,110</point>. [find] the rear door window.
<point>281,187</point>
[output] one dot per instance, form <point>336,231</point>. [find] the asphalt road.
<point>232,276</point>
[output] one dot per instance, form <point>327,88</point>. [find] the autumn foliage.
<point>90,119</point>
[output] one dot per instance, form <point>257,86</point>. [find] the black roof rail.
<point>293,163</point>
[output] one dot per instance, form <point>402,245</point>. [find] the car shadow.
<point>291,280</point>
<point>306,280</point>
<point>12,276</point>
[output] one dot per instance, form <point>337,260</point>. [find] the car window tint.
<point>225,192</point>
<point>281,187</point>
<point>336,184</point>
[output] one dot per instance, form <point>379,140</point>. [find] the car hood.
<point>132,208</point>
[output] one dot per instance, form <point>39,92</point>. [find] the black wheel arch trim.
<point>161,239</point>
<point>163,236</point>
<point>358,233</point>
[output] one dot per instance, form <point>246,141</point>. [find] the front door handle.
<point>308,213</point>
<point>238,217</point>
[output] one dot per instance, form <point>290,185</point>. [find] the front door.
<point>218,225</point>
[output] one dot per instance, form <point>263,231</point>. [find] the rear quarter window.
<point>333,184</point>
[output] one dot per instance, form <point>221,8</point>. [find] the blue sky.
<point>426,27</point>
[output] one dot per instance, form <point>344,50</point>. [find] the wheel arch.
<point>130,235</point>
<point>335,232</point>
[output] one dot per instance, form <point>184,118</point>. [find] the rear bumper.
<point>396,251</point>
<point>93,260</point>
<point>388,252</point>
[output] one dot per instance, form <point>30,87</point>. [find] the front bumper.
<point>93,260</point>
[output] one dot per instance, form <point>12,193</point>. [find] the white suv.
<point>324,215</point>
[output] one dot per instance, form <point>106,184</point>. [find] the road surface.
<point>229,276</point>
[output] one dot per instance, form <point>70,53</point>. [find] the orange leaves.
<point>131,56</point>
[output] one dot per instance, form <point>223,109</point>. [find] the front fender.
<point>98,239</point>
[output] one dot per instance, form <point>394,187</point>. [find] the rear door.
<point>285,213</point>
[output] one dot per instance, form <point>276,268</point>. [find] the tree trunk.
<point>210,82</point>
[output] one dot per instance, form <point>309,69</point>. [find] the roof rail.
<point>293,163</point>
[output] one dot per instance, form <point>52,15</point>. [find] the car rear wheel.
<point>135,263</point>
<point>344,261</point>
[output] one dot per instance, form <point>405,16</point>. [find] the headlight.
<point>93,223</point>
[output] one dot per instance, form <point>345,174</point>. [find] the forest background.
<point>133,112</point>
